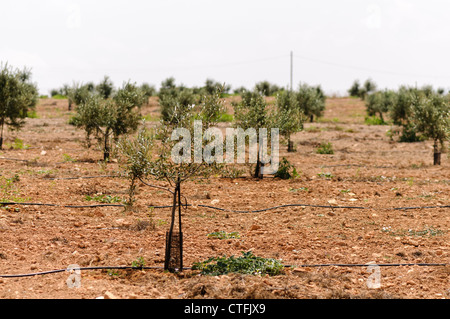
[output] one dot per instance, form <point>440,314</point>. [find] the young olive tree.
<point>175,154</point>
<point>311,101</point>
<point>148,91</point>
<point>354,90</point>
<point>105,88</point>
<point>288,116</point>
<point>379,103</point>
<point>401,113</point>
<point>267,89</point>
<point>368,88</point>
<point>211,86</point>
<point>173,98</point>
<point>107,118</point>
<point>432,118</point>
<point>252,113</point>
<point>136,155</point>
<point>18,96</point>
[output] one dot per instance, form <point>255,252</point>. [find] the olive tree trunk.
<point>436,154</point>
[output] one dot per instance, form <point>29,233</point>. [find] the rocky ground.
<point>369,172</point>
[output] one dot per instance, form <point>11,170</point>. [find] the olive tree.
<point>368,87</point>
<point>266,88</point>
<point>148,91</point>
<point>379,103</point>
<point>311,101</point>
<point>252,113</point>
<point>173,98</point>
<point>211,86</point>
<point>18,95</point>
<point>107,118</point>
<point>105,88</point>
<point>170,155</point>
<point>401,113</point>
<point>432,118</point>
<point>288,116</point>
<point>354,90</point>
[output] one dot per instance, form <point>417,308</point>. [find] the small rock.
<point>331,214</point>
<point>299,270</point>
<point>255,227</point>
<point>122,222</point>
<point>109,295</point>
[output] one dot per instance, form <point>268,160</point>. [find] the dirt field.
<point>367,170</point>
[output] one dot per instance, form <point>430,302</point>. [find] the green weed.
<point>224,235</point>
<point>102,198</point>
<point>246,264</point>
<point>325,148</point>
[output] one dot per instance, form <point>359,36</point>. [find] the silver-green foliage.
<point>18,96</point>
<point>311,100</point>
<point>107,118</point>
<point>431,115</point>
<point>288,116</point>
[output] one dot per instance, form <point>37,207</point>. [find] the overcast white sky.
<point>394,42</point>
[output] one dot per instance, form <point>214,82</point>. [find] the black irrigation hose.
<point>57,205</point>
<point>80,268</point>
<point>225,209</point>
<point>189,268</point>
<point>375,264</point>
<point>79,177</point>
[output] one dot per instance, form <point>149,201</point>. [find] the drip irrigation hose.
<point>78,177</point>
<point>80,268</point>
<point>229,210</point>
<point>190,268</point>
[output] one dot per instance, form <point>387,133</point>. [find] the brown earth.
<point>368,169</point>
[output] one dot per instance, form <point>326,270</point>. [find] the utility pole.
<point>292,65</point>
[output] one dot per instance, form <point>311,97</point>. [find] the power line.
<point>369,69</point>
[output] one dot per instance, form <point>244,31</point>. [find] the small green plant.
<point>32,114</point>
<point>18,145</point>
<point>374,120</point>
<point>59,97</point>
<point>246,264</point>
<point>325,148</point>
<point>225,117</point>
<point>224,235</point>
<point>326,175</point>
<point>313,129</point>
<point>102,198</point>
<point>286,170</point>
<point>68,158</point>
<point>113,273</point>
<point>294,190</point>
<point>138,263</point>
<point>150,118</point>
<point>232,172</point>
<point>427,231</point>
<point>10,191</point>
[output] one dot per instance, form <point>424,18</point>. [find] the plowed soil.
<point>370,173</point>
